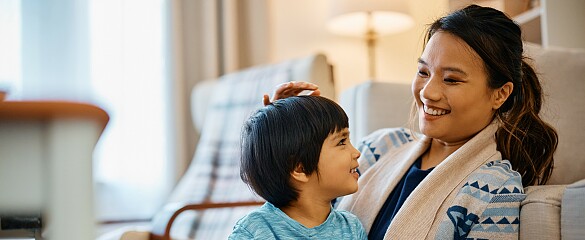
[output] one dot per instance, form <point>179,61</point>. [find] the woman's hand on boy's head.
<point>289,89</point>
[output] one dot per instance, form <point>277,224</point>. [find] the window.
<point>10,47</point>
<point>128,74</point>
<point>111,53</point>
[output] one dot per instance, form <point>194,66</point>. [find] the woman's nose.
<point>431,90</point>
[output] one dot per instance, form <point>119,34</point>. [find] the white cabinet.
<point>546,22</point>
<point>46,164</point>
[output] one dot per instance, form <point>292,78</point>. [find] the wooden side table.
<point>46,150</point>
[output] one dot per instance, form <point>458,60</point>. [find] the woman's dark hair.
<point>523,137</point>
<point>285,136</point>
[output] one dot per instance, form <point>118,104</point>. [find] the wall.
<point>562,23</point>
<point>298,29</point>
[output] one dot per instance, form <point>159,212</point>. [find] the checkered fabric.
<point>214,172</point>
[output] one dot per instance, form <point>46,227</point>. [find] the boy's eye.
<point>342,142</point>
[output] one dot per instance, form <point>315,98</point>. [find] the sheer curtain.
<point>211,38</point>
<point>128,74</point>
<point>112,53</point>
<point>182,42</point>
<point>138,59</point>
<point>10,75</point>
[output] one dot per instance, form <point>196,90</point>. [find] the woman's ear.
<point>299,174</point>
<point>502,94</point>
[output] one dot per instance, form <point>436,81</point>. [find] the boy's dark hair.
<point>283,136</point>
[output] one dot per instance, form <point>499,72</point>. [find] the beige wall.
<point>298,29</point>
<point>562,23</point>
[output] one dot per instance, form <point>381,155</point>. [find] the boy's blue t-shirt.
<point>269,222</point>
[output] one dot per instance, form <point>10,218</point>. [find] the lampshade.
<point>350,17</point>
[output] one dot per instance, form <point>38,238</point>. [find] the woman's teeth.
<point>434,112</point>
<point>353,170</point>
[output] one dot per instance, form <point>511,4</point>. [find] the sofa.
<point>552,211</point>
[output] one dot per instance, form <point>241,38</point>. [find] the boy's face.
<point>337,166</point>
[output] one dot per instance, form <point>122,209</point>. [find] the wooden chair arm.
<point>162,222</point>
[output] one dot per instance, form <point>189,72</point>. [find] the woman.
<point>477,102</point>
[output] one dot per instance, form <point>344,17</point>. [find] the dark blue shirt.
<point>396,198</point>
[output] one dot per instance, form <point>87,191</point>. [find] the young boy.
<point>296,154</point>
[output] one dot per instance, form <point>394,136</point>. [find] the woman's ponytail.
<point>523,137</point>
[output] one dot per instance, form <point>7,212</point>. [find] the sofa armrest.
<point>135,235</point>
<point>540,213</point>
<point>163,222</point>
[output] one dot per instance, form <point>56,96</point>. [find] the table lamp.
<point>369,19</point>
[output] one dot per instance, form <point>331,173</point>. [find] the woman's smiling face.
<point>451,92</point>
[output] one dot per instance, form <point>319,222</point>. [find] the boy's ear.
<point>299,175</point>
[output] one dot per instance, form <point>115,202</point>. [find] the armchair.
<point>552,211</point>
<point>210,197</point>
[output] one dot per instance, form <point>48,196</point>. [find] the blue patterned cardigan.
<point>472,194</point>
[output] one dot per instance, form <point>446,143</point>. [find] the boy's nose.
<point>356,153</point>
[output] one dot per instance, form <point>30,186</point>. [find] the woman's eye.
<point>342,142</point>
<point>450,80</point>
<point>423,74</point>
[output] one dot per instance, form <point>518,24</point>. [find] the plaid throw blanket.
<point>214,172</point>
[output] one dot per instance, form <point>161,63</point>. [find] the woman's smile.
<point>435,111</point>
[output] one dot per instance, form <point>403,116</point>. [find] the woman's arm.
<point>380,143</point>
<point>487,206</point>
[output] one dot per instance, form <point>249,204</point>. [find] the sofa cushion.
<point>561,72</point>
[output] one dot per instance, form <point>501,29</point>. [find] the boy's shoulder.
<point>256,223</point>
<point>260,215</point>
<point>347,217</point>
<point>345,214</point>
<point>348,224</point>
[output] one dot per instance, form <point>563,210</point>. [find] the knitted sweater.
<point>472,194</point>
